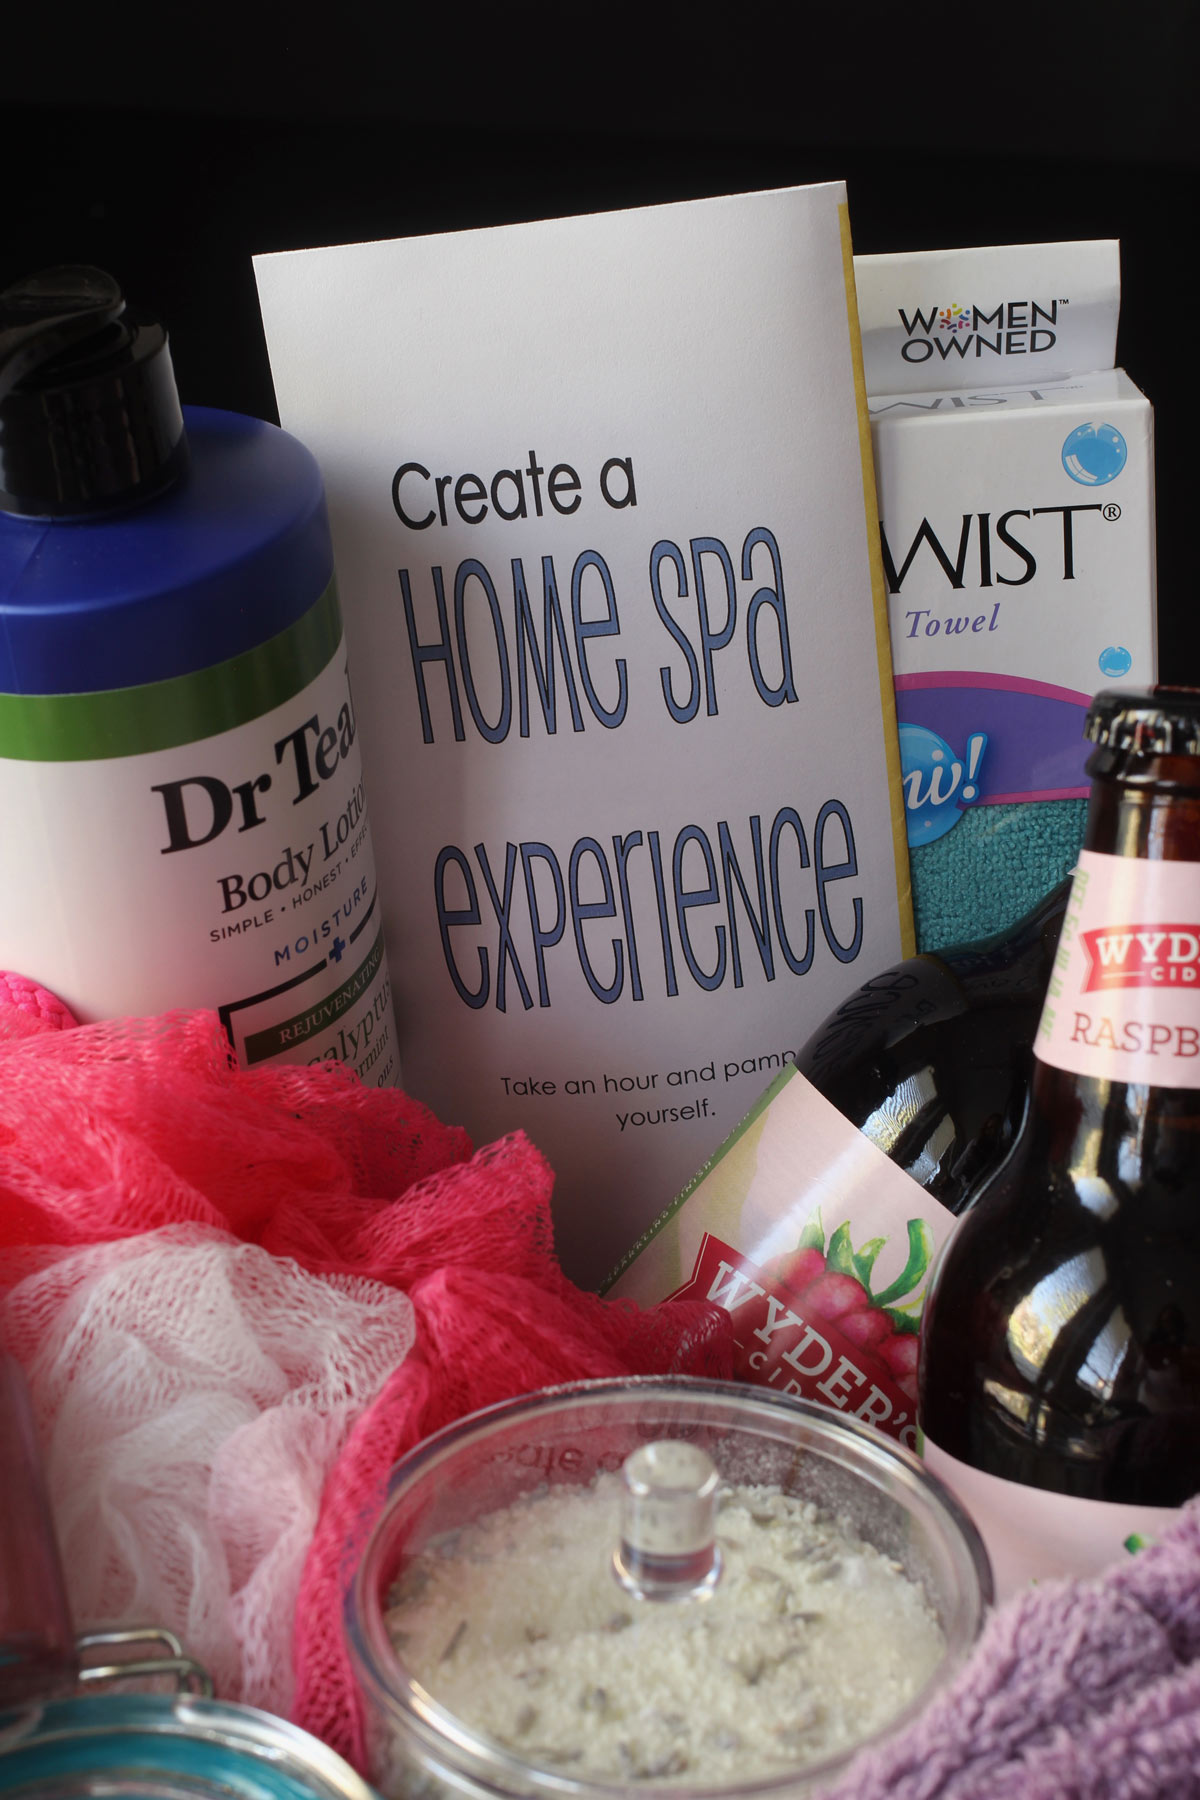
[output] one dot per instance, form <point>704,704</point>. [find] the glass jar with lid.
<point>680,1586</point>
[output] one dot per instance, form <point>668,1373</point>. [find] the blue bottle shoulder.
<point>232,554</point>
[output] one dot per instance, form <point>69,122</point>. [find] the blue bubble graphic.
<point>1115,661</point>
<point>1094,453</point>
<point>937,781</point>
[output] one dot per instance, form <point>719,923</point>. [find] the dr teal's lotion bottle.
<point>181,793</point>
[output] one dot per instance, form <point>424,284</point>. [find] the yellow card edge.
<point>883,642</point>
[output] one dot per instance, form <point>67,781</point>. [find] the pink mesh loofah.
<point>213,1278</point>
<point>27,1009</point>
<point>125,1126</point>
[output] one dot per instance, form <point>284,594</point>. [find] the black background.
<point>170,147</point>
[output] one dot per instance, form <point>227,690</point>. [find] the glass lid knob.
<point>668,1546</point>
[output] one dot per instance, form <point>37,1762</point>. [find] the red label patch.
<point>802,1340</point>
<point>1136,956</point>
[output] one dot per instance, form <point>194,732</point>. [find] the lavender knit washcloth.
<point>1075,1691</point>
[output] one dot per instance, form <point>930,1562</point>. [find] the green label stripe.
<point>302,1026</point>
<point>135,720</point>
<point>664,1218</point>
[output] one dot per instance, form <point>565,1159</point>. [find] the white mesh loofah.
<point>192,1393</point>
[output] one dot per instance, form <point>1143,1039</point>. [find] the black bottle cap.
<point>1157,721</point>
<point>89,411</point>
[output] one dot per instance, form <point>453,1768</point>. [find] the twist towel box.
<point>1015,477</point>
<point>605,522</point>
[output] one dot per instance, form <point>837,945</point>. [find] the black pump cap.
<point>89,411</point>
<point>1157,721</point>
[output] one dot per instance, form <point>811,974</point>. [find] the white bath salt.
<point>811,1640</point>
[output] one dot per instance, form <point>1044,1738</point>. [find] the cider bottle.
<point>931,1059</point>
<point>1059,1383</point>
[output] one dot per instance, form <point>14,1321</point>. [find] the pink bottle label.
<point>1124,998</point>
<point>1032,1535</point>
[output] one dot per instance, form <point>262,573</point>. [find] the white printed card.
<point>606,540</point>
